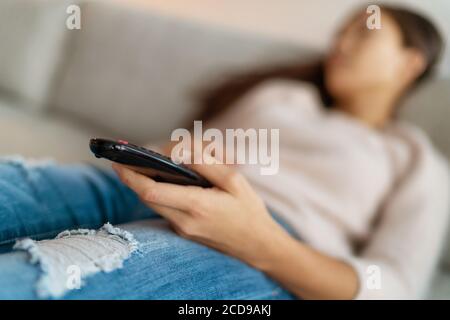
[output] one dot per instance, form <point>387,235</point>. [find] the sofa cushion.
<point>132,71</point>
<point>429,108</point>
<point>440,286</point>
<point>32,35</point>
<point>36,135</point>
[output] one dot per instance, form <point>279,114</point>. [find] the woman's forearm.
<point>304,271</point>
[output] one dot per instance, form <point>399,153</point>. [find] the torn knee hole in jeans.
<point>76,254</point>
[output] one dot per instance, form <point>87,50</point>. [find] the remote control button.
<point>122,141</point>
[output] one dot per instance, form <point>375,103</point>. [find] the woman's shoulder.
<point>285,92</point>
<point>281,86</point>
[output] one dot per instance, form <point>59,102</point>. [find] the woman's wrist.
<point>271,244</point>
<point>304,271</point>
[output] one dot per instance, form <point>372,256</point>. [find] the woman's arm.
<point>306,272</point>
<point>404,246</point>
<point>407,241</point>
<point>233,219</point>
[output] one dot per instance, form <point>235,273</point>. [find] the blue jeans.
<point>41,201</point>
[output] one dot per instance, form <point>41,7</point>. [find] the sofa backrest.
<point>32,40</point>
<point>429,107</point>
<point>132,72</point>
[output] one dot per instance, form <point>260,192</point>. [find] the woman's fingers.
<point>222,176</point>
<point>174,216</point>
<point>165,194</point>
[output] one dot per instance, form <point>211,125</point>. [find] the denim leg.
<point>165,267</point>
<point>40,201</point>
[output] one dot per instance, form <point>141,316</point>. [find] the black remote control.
<point>150,163</point>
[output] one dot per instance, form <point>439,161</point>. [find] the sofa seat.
<point>29,134</point>
<point>440,287</point>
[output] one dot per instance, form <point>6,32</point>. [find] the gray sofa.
<point>131,74</point>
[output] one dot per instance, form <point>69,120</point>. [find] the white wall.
<point>311,22</point>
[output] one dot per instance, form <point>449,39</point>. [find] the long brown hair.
<point>418,32</point>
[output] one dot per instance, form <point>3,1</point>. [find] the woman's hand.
<point>230,217</point>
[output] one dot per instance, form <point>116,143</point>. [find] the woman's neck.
<point>372,108</point>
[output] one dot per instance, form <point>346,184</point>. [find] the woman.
<point>353,214</point>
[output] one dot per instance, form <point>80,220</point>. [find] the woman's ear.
<point>415,64</point>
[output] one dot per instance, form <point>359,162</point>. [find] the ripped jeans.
<point>140,259</point>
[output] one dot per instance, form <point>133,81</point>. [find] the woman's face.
<point>363,59</point>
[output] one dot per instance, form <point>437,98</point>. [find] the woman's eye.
<point>361,32</point>
<point>363,28</point>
